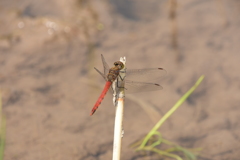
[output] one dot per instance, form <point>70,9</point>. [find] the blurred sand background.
<point>48,50</point>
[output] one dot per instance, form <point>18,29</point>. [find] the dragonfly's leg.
<point>118,83</point>
<point>122,78</point>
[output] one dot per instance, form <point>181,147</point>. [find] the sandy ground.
<point>47,53</point>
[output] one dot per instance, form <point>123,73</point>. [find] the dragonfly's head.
<point>119,65</point>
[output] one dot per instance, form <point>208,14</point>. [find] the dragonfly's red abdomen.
<point>101,97</point>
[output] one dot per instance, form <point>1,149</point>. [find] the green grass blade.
<point>2,130</point>
<point>160,152</point>
<point>2,137</point>
<point>170,112</point>
<point>189,155</point>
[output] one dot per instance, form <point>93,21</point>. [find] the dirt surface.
<point>47,53</point>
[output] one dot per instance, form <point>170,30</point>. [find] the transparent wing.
<point>133,86</point>
<point>104,77</point>
<point>145,75</point>
<point>105,66</point>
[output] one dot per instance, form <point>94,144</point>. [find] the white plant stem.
<point>118,100</point>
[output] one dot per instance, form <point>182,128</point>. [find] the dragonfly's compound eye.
<point>122,65</point>
<point>119,64</point>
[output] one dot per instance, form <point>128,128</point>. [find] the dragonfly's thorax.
<point>112,75</point>
<point>114,71</point>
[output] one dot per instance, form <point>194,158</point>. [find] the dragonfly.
<point>136,80</point>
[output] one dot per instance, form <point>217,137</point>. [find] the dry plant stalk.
<point>118,100</point>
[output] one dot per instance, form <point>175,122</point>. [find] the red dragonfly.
<point>136,80</point>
